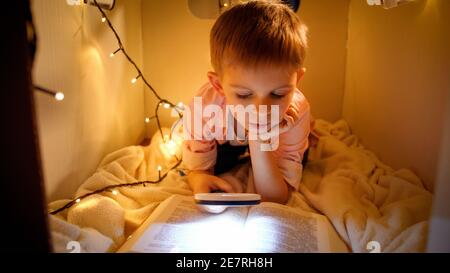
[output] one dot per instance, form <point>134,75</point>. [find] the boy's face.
<point>265,85</point>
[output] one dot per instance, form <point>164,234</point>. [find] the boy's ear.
<point>214,79</point>
<point>300,74</point>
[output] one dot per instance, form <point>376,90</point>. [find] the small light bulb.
<point>166,105</point>
<point>114,192</point>
<point>159,172</point>
<point>180,104</point>
<point>225,4</point>
<point>74,2</point>
<point>114,53</point>
<point>78,200</point>
<point>59,96</point>
<point>147,120</point>
<point>171,147</point>
<point>134,80</point>
<point>103,19</point>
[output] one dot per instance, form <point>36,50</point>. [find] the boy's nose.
<point>261,102</point>
<point>263,110</point>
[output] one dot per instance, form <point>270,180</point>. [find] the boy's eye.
<point>278,96</point>
<point>243,96</point>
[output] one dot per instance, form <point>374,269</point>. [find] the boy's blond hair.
<point>258,33</point>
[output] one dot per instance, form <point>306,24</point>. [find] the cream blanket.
<point>364,199</point>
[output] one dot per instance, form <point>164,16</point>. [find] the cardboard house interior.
<point>384,71</point>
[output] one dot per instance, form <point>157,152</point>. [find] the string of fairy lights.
<point>167,139</point>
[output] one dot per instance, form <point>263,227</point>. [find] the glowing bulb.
<point>180,104</point>
<point>78,200</point>
<point>134,80</point>
<point>147,120</point>
<point>103,19</point>
<point>166,105</point>
<point>225,4</point>
<point>59,96</point>
<point>159,172</point>
<point>171,147</point>
<point>74,2</point>
<point>114,192</point>
<point>114,53</point>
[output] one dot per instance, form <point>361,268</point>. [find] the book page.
<point>179,226</point>
<point>272,227</point>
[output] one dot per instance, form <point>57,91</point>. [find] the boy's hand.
<point>204,182</point>
<point>268,132</point>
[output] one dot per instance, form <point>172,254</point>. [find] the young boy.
<point>257,52</point>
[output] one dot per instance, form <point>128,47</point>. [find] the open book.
<point>177,225</point>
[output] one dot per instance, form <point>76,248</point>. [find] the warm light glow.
<point>114,53</point>
<point>147,120</point>
<point>114,192</point>
<point>171,144</point>
<point>103,19</point>
<point>78,200</point>
<point>171,147</point>
<point>177,109</point>
<point>134,80</point>
<point>159,168</point>
<point>260,235</point>
<point>166,105</point>
<point>225,4</point>
<point>201,235</point>
<point>74,2</point>
<point>59,96</point>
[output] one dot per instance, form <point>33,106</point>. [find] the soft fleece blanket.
<point>364,199</point>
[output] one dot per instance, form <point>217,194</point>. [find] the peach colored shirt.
<point>201,154</point>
